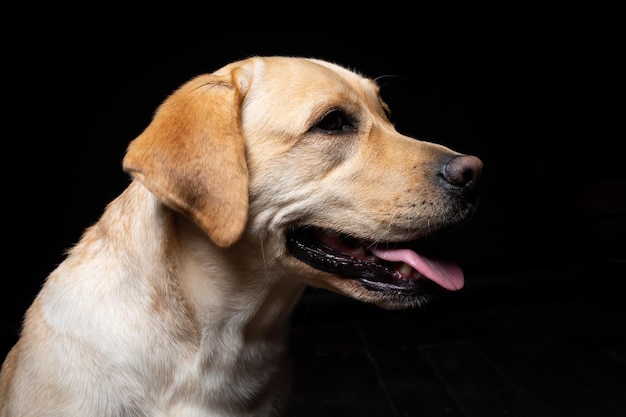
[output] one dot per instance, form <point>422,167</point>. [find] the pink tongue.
<point>447,274</point>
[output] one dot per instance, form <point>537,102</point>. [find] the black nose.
<point>463,172</point>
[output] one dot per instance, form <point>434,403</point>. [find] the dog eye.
<point>335,122</point>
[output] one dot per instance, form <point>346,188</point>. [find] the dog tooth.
<point>406,269</point>
<point>360,250</point>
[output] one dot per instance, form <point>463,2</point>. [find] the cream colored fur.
<point>177,301</point>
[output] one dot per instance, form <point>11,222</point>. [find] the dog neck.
<point>221,290</point>
<point>218,322</point>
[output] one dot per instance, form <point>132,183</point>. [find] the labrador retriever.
<point>250,183</point>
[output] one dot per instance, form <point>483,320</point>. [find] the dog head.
<point>299,155</point>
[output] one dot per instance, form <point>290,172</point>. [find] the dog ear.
<point>192,155</point>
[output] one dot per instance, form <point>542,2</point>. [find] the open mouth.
<point>398,267</point>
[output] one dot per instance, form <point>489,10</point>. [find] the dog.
<point>249,184</point>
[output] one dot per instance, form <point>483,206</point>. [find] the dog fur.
<point>177,301</point>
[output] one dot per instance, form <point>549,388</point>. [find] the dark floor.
<point>549,344</point>
<point>538,342</point>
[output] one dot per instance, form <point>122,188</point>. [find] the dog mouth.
<point>404,267</point>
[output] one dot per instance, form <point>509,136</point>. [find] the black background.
<point>546,117</point>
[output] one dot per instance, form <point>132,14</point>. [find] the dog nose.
<point>463,172</point>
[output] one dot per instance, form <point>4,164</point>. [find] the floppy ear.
<point>192,156</point>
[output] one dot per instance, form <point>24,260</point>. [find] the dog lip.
<point>349,258</point>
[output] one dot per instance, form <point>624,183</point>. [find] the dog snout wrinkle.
<point>463,172</point>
